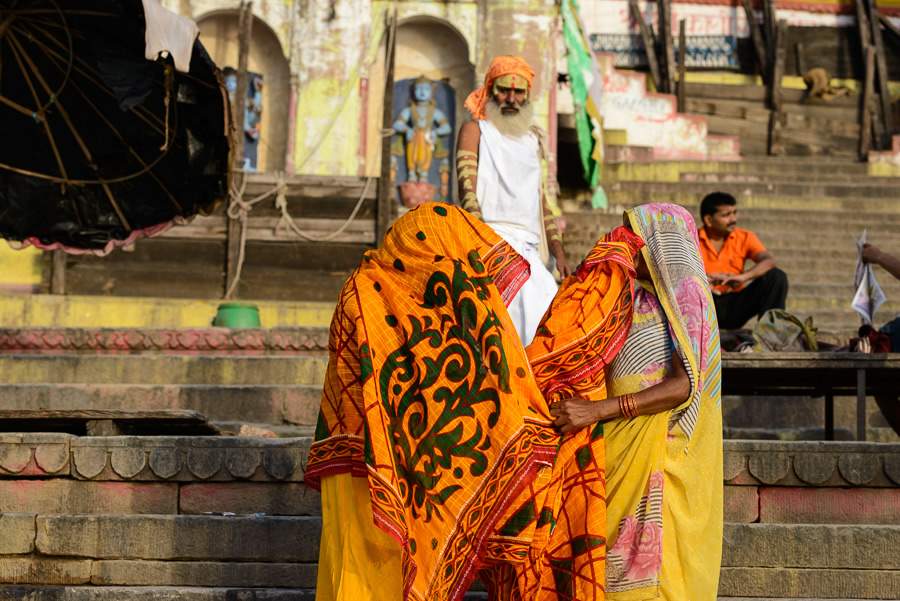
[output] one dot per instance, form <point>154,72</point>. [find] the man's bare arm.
<point>873,254</point>
<point>765,262</point>
<point>467,167</point>
<point>554,239</point>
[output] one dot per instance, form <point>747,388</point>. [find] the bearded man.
<point>498,163</point>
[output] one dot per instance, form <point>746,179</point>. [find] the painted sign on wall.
<point>703,51</point>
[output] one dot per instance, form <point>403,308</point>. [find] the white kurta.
<point>509,192</point>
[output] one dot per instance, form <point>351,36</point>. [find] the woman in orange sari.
<point>435,451</point>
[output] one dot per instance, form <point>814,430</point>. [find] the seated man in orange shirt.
<point>725,248</point>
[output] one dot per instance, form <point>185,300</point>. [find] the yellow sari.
<point>664,470</point>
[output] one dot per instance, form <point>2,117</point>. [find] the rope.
<point>239,208</point>
<point>281,204</point>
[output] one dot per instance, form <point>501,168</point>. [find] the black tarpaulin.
<point>91,156</point>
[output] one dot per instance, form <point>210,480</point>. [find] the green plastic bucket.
<point>237,315</point>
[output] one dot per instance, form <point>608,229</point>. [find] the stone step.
<point>755,165</point>
<point>843,291</point>
<point>770,412</point>
<point>633,195</point>
<point>811,546</point>
<point>57,310</point>
<point>218,551</point>
<point>185,593</point>
<point>810,190</point>
<point>163,369</point>
<point>809,583</point>
<point>766,178</point>
<point>257,404</point>
<point>777,218</point>
<point>809,434</point>
<point>152,593</point>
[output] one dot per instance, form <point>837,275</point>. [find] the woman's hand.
<point>574,413</point>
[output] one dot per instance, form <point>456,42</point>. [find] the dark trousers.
<point>767,292</point>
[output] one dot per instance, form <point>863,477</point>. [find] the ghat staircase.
<point>806,211</point>
<point>216,518</point>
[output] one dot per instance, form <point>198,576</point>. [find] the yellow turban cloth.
<point>500,66</point>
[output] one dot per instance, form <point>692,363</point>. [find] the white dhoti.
<point>531,302</point>
<point>509,192</point>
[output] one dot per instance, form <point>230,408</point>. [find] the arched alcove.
<point>219,34</point>
<point>434,48</point>
<point>426,46</point>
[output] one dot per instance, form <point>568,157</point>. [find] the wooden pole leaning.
<point>881,76</point>
<point>238,112</point>
<point>667,44</point>
<point>384,208</point>
<point>759,43</point>
<point>649,43</point>
<point>867,109</point>
<point>865,42</point>
<point>776,119</point>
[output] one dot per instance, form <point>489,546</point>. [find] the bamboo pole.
<point>384,208</point>
<point>238,111</point>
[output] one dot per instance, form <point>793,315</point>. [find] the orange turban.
<point>500,66</point>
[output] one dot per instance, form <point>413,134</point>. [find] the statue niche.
<point>253,116</point>
<point>420,152</point>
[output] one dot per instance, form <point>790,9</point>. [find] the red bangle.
<point>628,405</point>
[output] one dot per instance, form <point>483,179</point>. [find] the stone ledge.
<point>105,340</point>
<point>741,504</point>
<point>17,532</point>
<point>245,404</point>
<point>250,497</point>
<point>34,454</point>
<point>171,537</point>
<point>165,369</point>
<point>151,593</point>
<point>822,546</point>
<point>812,463</point>
<point>808,505</point>
<point>808,583</point>
<point>32,569</point>
<point>64,495</point>
<point>184,459</point>
<point>199,573</point>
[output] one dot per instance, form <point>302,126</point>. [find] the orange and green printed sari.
<point>433,408</point>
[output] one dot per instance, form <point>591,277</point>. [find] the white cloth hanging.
<point>168,32</point>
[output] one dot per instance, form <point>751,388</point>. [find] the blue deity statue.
<point>422,126</point>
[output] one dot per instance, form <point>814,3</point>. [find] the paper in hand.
<point>869,295</point>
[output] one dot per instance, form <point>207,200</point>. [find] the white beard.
<point>512,126</point>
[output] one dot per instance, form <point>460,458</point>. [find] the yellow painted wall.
<point>792,81</point>
<point>19,268</point>
<point>44,310</point>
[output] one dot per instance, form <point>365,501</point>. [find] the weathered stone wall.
<point>124,513</point>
